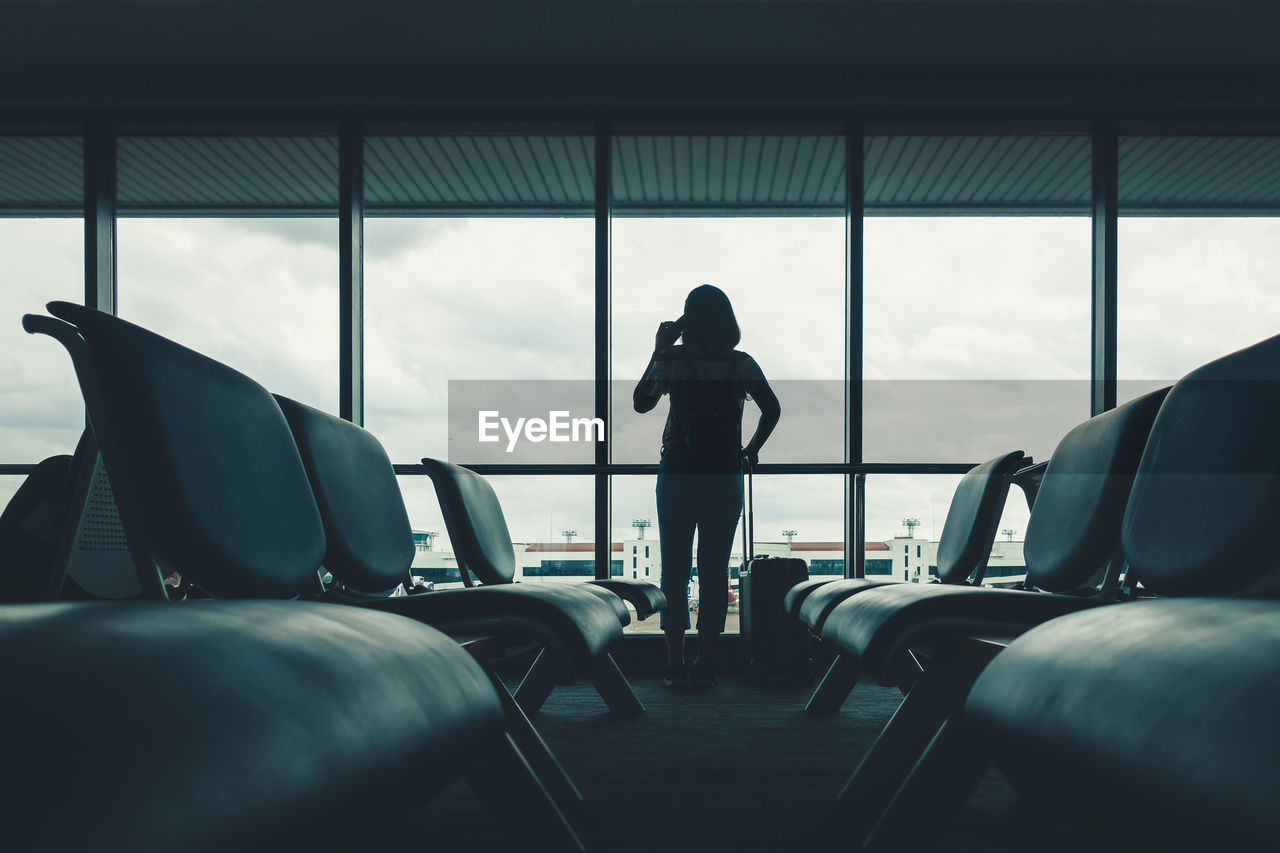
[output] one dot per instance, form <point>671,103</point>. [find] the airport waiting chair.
<point>1206,493</point>
<point>1071,544</point>
<point>481,539</point>
<point>370,549</point>
<point>239,725</point>
<point>963,551</point>
<point>1149,726</point>
<point>208,483</point>
<point>478,530</point>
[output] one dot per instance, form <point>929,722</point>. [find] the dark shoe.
<point>701,677</point>
<point>675,675</point>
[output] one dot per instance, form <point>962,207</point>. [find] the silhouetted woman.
<point>700,475</point>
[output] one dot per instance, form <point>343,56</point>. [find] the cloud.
<point>235,294</point>
<point>41,413</point>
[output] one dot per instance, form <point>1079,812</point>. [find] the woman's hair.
<point>708,320</point>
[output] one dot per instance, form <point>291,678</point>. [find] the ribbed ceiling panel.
<point>977,174</point>
<point>1199,174</point>
<point>228,175</point>
<point>495,173</point>
<point>744,174</point>
<point>41,174</point>
<point>547,174</point>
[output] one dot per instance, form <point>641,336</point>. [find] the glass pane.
<point>1196,265</point>
<point>634,540</point>
<point>479,265</point>
<point>1191,290</point>
<point>41,413</point>
<point>42,246</point>
<point>801,516</point>
<point>795,515</point>
<point>761,216</point>
<point>471,299</point>
<point>905,516</point>
<point>551,521</point>
<point>976,328</point>
<point>258,294</point>
<point>238,258</point>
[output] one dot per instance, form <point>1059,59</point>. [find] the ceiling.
<point>392,52</point>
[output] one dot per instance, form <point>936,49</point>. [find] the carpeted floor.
<point>739,768</point>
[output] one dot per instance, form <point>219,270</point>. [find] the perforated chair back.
<point>477,527</point>
<point>1207,493</point>
<point>370,541</point>
<point>1074,530</point>
<point>206,474</point>
<point>970,529</point>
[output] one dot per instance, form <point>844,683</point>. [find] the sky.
<point>976,333</point>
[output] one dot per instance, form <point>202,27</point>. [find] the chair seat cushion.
<point>1169,705</point>
<point>645,597</point>
<point>818,605</point>
<point>226,725</point>
<point>798,593</point>
<point>880,623</point>
<point>579,623</point>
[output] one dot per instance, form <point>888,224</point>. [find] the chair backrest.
<point>474,519</point>
<point>29,528</point>
<point>94,552</point>
<point>370,542</point>
<point>205,470</point>
<point>1206,498</point>
<point>1074,530</point>
<point>970,529</point>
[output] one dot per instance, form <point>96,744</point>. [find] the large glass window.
<point>229,245</point>
<point>550,519</point>
<point>42,246</point>
<point>1197,257</point>
<point>479,297</point>
<point>977,293</point>
<point>479,265</point>
<point>761,216</point>
<point>905,516</point>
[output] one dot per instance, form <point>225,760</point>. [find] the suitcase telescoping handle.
<point>748,522</point>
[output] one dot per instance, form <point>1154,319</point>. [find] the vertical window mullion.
<point>855,486</point>
<point>1105,254</point>
<point>100,216</point>
<point>351,272</point>
<point>603,264</point>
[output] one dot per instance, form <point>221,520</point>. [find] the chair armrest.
<point>646,598</point>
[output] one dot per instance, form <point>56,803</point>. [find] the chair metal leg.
<point>536,751</point>
<point>835,685</point>
<point>537,683</point>
<point>943,778</point>
<point>512,794</point>
<point>937,693</point>
<point>613,686</point>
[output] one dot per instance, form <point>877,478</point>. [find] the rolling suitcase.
<point>774,646</point>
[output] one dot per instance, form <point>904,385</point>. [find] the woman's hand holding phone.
<point>669,332</point>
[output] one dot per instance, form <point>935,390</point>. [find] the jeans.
<point>710,504</point>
